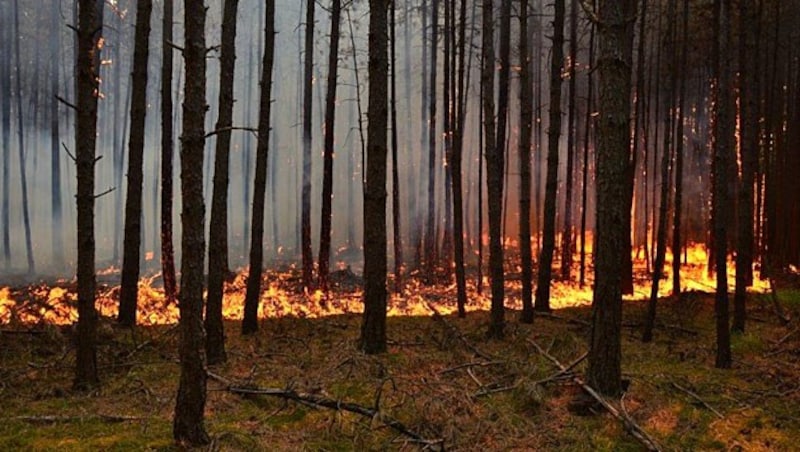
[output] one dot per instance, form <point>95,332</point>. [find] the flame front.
<point>280,296</point>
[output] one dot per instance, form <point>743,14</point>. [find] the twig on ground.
<point>696,397</point>
<point>632,427</point>
<point>453,330</point>
<point>144,344</point>
<point>318,400</point>
<point>567,371</point>
<point>111,418</point>
<point>472,364</point>
<point>551,316</point>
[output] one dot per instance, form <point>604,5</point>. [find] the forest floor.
<point>441,379</point>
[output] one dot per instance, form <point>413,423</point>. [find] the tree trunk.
<point>327,175</point>
<point>723,147</point>
<point>566,233</point>
<point>397,236</point>
<point>90,22</point>
<point>677,237</point>
<point>253,294</point>
<point>525,124</point>
<point>55,146</point>
<point>373,327</point>
<point>586,139</point>
<point>457,159</point>
<point>613,153</point>
<point>188,426</point>
<point>430,230</point>
<point>23,178</point>
<point>308,76</point>
<point>167,146</point>
<point>551,185</point>
<point>748,73</point>
<point>5,87</point>
<point>129,289</point>
<point>218,229</point>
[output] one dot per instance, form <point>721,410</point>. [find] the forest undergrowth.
<point>441,385</point>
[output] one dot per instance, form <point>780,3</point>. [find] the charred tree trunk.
<point>677,236</point>
<point>327,175</point>
<point>129,289</point>
<point>430,223</point>
<point>253,294</point>
<point>613,153</point>
<point>188,424</point>
<point>551,185</point>
<point>167,150</point>
<point>90,23</point>
<point>373,327</point>
<point>218,228</point>
<point>5,107</point>
<point>525,125</point>
<point>586,139</point>
<point>456,168</point>
<point>723,147</point>
<point>308,76</point>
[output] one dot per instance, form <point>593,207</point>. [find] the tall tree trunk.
<point>327,175</point>
<point>373,327</point>
<point>677,237</point>
<point>551,185</point>
<point>23,178</point>
<point>397,236</point>
<point>613,153</point>
<point>525,125</point>
<point>218,228</point>
<point>167,150</point>
<point>188,425</point>
<point>430,222</point>
<point>588,123</point>
<point>748,73</point>
<point>90,22</point>
<point>55,148</point>
<point>457,159</point>
<point>308,76</point>
<point>566,233</point>
<point>495,164</point>
<point>129,289</point>
<point>723,135</point>
<point>253,293</point>
<point>661,231</point>
<point>5,87</point>
<point>420,228</point>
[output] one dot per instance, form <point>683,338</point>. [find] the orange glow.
<point>280,297</point>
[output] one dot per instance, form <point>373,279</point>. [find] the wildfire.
<point>41,304</point>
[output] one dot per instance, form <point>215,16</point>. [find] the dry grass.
<point>419,382</point>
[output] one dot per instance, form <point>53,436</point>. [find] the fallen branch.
<point>697,397</point>
<point>551,316</point>
<point>632,427</point>
<point>150,341</point>
<point>776,303</point>
<point>453,330</point>
<point>470,365</point>
<point>567,371</point>
<point>68,419</point>
<point>664,326</point>
<point>318,400</point>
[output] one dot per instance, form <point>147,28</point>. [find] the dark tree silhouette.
<point>572,132</point>
<point>56,198</point>
<point>373,327</point>
<point>544,275</point>
<point>90,23</point>
<point>167,146</point>
<point>525,127</point>
<point>188,426</point>
<point>129,289</point>
<point>615,27</point>
<point>218,228</point>
<point>327,172</point>
<point>308,76</point>
<point>253,294</point>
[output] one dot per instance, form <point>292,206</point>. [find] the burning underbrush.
<point>282,295</point>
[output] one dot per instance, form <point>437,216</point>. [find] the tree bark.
<point>218,228</point>
<point>308,76</point>
<point>677,236</point>
<point>430,222</point>
<point>615,27</point>
<point>188,425</point>
<point>373,327</point>
<point>586,139</point>
<point>167,150</point>
<point>129,288</point>
<point>566,233</point>
<point>396,223</point>
<point>253,293</point>
<point>327,174</point>
<point>457,159</point>
<point>55,147</point>
<point>525,125</point>
<point>544,276</point>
